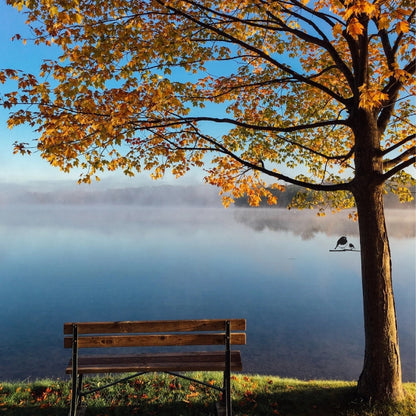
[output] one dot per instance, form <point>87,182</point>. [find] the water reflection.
<point>306,224</point>
<point>302,304</point>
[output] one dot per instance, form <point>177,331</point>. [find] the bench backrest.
<point>155,333</point>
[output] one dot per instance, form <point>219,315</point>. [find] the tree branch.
<point>388,164</point>
<point>324,42</point>
<point>400,36</point>
<point>267,127</point>
<point>342,158</point>
<point>393,89</point>
<point>260,167</point>
<point>400,143</point>
<point>397,169</point>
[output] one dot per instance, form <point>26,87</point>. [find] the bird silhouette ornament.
<point>342,244</point>
<point>342,241</point>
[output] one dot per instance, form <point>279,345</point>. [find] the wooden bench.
<point>155,334</point>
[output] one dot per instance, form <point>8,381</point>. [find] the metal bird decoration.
<point>341,242</point>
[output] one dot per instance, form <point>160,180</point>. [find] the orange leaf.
<point>355,28</point>
<point>402,27</point>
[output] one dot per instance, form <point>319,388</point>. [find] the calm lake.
<point>302,303</point>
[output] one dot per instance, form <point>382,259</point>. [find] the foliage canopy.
<point>241,87</point>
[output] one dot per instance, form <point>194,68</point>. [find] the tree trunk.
<point>381,377</point>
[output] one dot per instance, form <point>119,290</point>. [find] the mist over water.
<point>95,262</point>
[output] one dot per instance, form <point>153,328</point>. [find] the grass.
<point>162,394</point>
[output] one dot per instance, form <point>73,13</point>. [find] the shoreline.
<point>164,394</point>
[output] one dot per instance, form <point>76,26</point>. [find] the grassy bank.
<point>161,394</point>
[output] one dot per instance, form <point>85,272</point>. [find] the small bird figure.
<point>341,241</point>
<point>351,246</point>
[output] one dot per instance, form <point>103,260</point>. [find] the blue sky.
<point>28,170</point>
<point>15,168</point>
<point>22,170</point>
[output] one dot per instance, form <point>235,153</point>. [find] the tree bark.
<point>381,376</point>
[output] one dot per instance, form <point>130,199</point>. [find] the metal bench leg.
<point>227,372</point>
<point>74,396</point>
<point>76,383</point>
<point>227,390</point>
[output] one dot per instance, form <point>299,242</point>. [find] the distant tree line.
<point>284,198</point>
<point>144,196</point>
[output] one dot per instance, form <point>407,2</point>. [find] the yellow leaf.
<point>226,201</point>
<point>53,11</point>
<point>19,6</point>
<point>371,98</point>
<point>355,28</point>
<point>337,30</point>
<point>402,27</point>
<point>368,8</point>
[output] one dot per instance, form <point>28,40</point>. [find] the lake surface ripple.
<point>303,303</point>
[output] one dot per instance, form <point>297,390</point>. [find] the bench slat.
<point>155,326</point>
<point>154,340</point>
<point>196,361</point>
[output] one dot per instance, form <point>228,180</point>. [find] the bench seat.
<point>191,361</point>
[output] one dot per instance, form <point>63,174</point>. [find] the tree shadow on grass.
<point>33,411</point>
<point>155,409</point>
<point>311,401</point>
<point>172,409</point>
<point>284,401</point>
